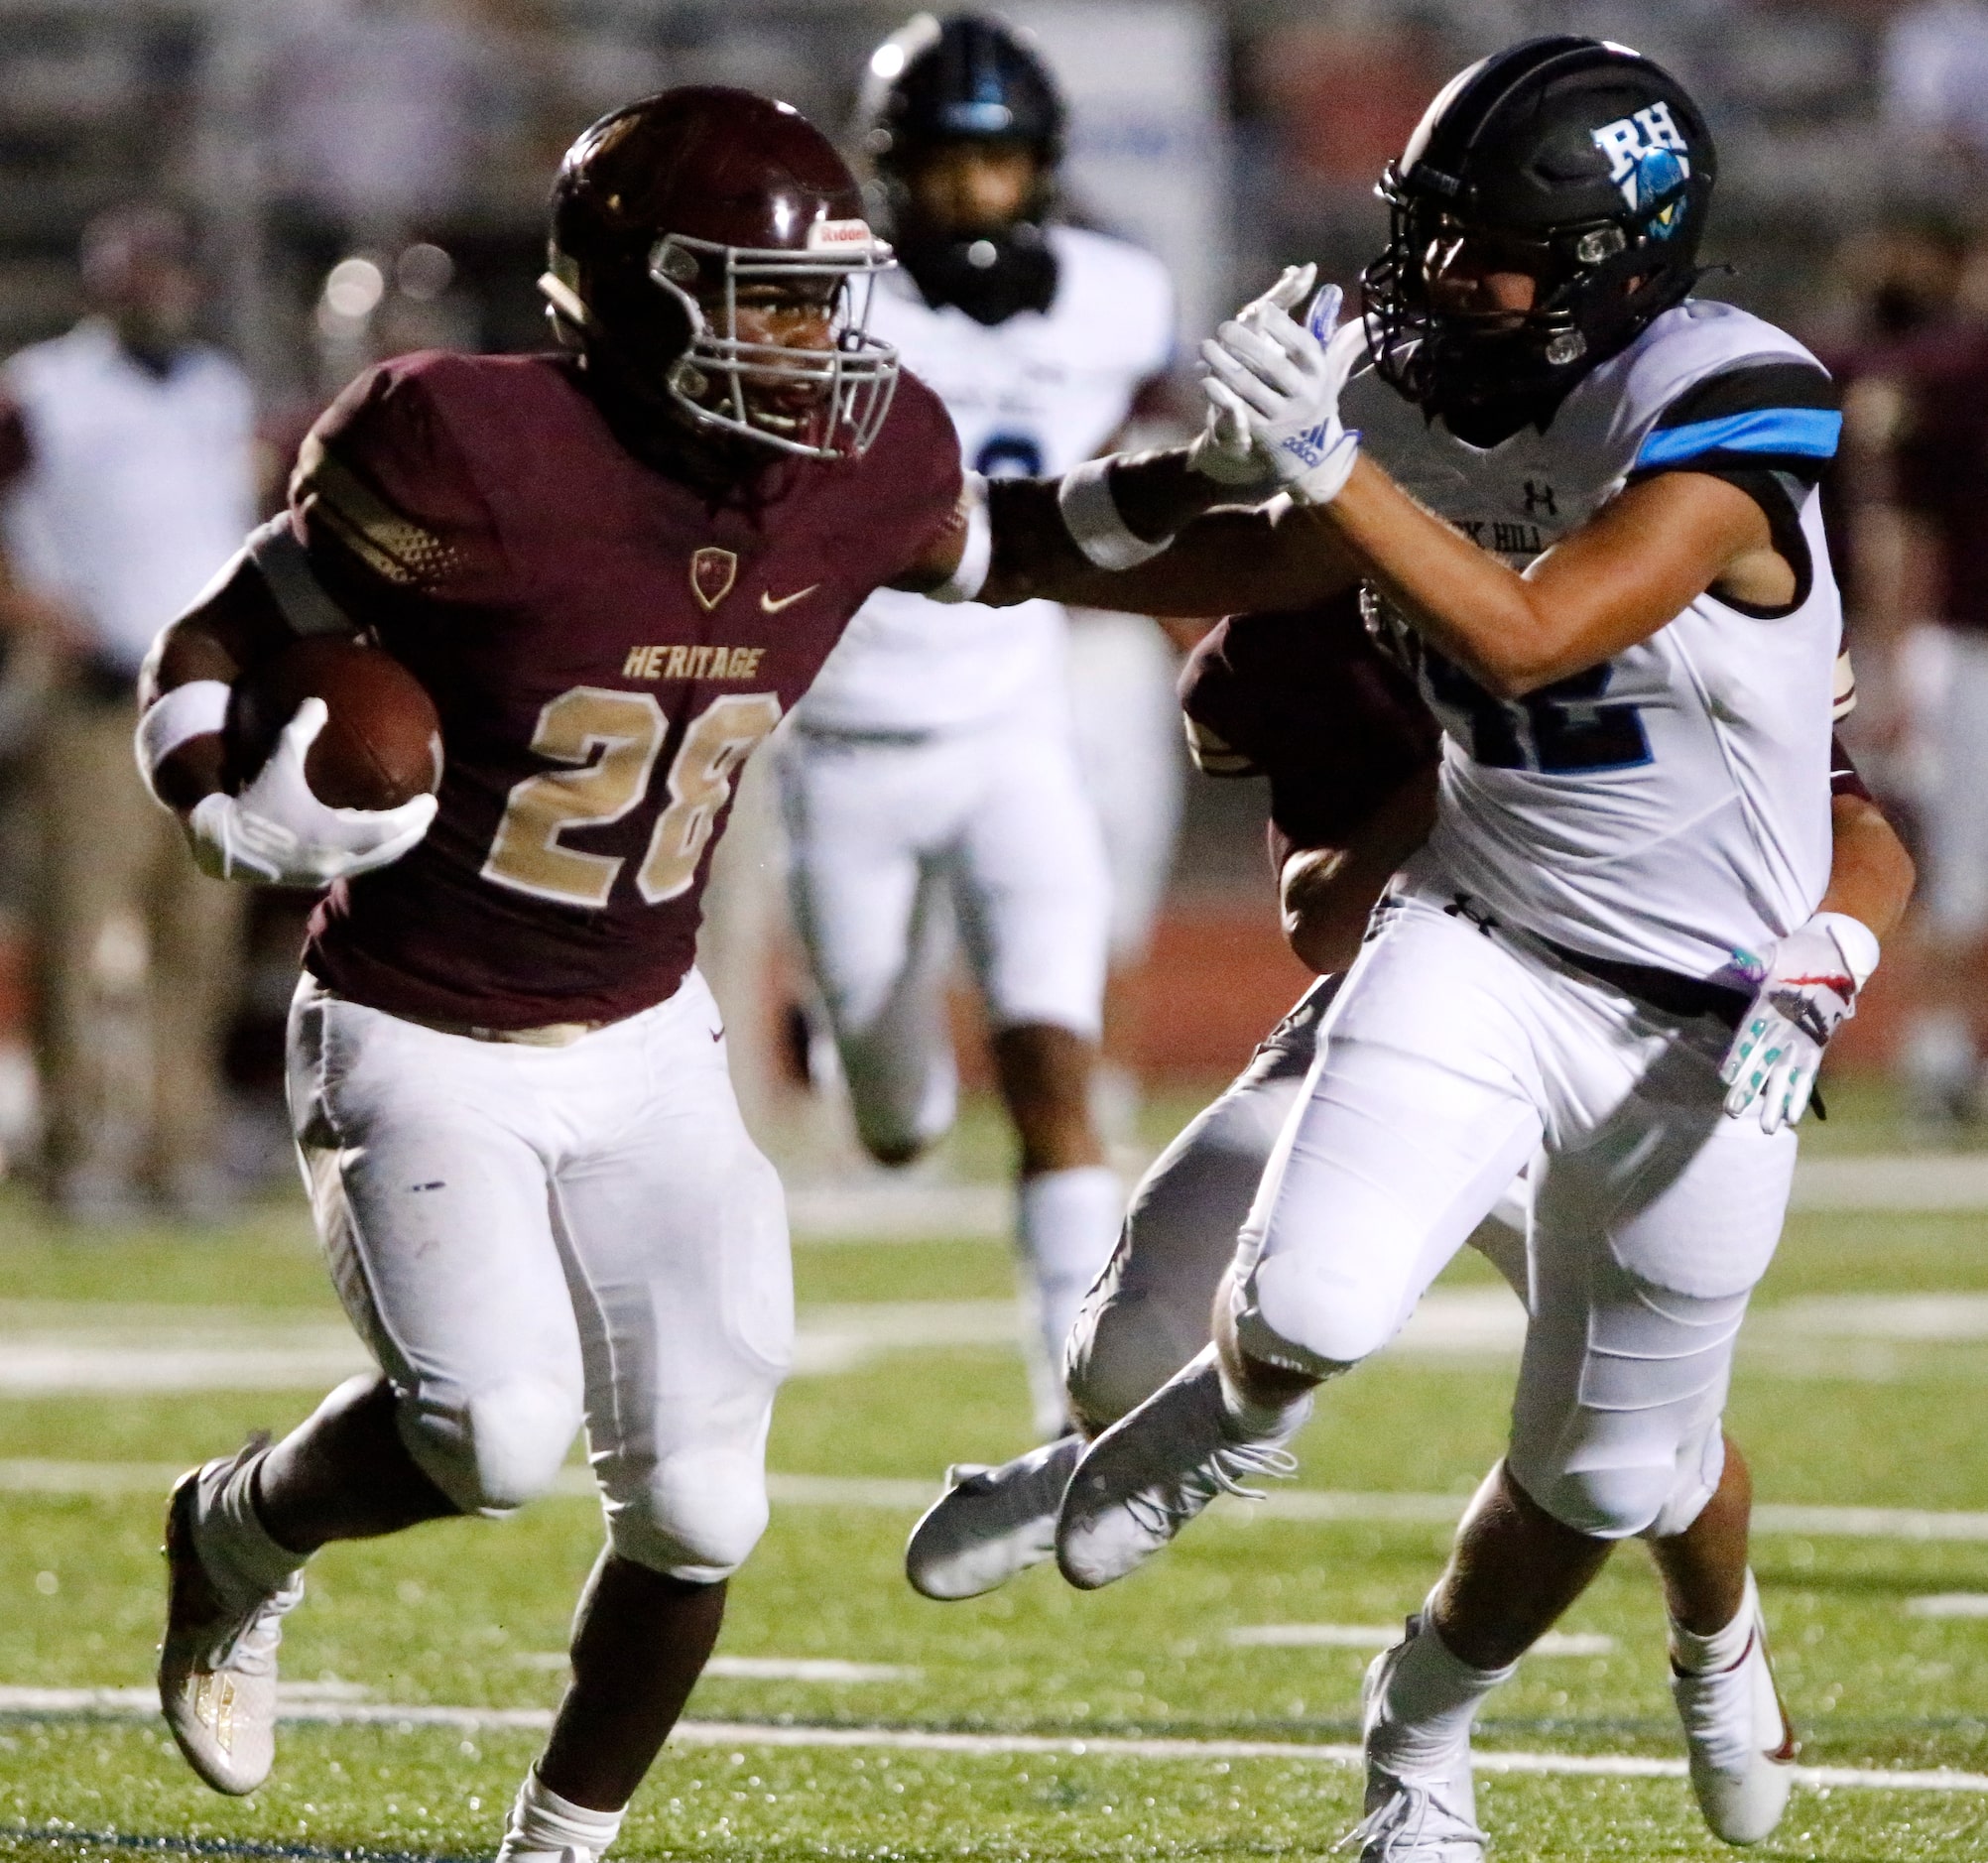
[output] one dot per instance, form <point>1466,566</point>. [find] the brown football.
<point>380,747</point>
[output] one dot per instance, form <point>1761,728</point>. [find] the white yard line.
<point>1380,1635</point>
<point>984,1213</point>
<point>50,1348</point>
<point>133,1703</point>
<point>899,1494</point>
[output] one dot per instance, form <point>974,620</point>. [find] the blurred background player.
<point>126,457</point>
<point>1915,514</point>
<point>931,781</point>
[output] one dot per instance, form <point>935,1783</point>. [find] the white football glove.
<point>1809,993</point>
<point>1225,450</point>
<point>278,832</point>
<point>1278,382</point>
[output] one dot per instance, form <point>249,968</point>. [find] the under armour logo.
<point>1539,498</point>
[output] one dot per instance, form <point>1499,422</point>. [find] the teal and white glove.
<point>278,832</point>
<point>1275,383</point>
<point>1809,993</point>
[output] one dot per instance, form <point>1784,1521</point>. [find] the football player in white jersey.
<point>931,778</point>
<point>1583,508</point>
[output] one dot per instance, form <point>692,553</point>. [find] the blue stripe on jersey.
<point>1808,431</point>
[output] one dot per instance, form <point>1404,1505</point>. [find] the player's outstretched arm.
<point>1630,570</point>
<point>275,830</point>
<point>1633,569</point>
<point>1184,531</point>
<point>1202,554</point>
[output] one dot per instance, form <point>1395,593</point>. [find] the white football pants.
<point>1450,1058</point>
<point>531,1238</point>
<point>1150,1312</point>
<point>1127,718</point>
<point>888,840</point>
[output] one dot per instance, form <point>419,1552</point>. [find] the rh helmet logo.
<point>1650,161</point>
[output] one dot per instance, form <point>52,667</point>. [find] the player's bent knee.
<point>500,1450</point>
<point>1300,1321</point>
<point>1606,1503</point>
<point>696,1517</point>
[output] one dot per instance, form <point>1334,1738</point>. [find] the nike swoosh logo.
<point>768,605</point>
<point>717,1034</point>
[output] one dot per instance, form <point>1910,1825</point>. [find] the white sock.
<point>1259,1423</point>
<point>1066,1223</point>
<point>1430,1700</point>
<point>1694,1655</point>
<point>542,1823</point>
<point>233,1544</point>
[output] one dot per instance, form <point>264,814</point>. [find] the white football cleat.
<point>1154,1469</point>
<point>218,1663</point>
<point>991,1523</point>
<point>1741,1743</point>
<point>1428,1815</point>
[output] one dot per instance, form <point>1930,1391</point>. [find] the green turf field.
<point>1847,1398</point>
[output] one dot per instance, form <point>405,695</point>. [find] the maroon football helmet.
<point>664,210</point>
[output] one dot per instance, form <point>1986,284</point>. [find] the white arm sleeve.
<point>1091,516</point>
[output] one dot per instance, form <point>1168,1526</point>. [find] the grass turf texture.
<point>469,1613</point>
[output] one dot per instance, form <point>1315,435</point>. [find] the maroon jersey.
<point>1307,700</point>
<point>1941,460</point>
<point>605,647</point>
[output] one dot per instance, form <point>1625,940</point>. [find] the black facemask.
<point>991,276</point>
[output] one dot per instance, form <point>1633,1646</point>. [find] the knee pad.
<point>1291,1316</point>
<point>697,1516</point>
<point>1619,1499</point>
<point>503,1447</point>
<point>1603,1503</point>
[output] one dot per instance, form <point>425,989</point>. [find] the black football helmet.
<point>663,211</point>
<point>1577,161</point>
<point>968,79</point>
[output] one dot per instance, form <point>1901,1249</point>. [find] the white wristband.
<point>966,581</point>
<point>199,709</point>
<point>1855,940</point>
<point>1091,516</point>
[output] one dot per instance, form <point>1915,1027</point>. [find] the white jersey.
<point>1033,396</point>
<point>138,486</point>
<point>1670,807</point>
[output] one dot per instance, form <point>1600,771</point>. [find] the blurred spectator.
<point>378,110</point>
<point>1897,285</point>
<point>1935,73</point>
<point>126,458</point>
<point>1917,451</point>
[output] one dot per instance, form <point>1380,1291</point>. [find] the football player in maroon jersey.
<point>614,570</point>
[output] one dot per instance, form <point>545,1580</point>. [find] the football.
<point>380,747</point>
